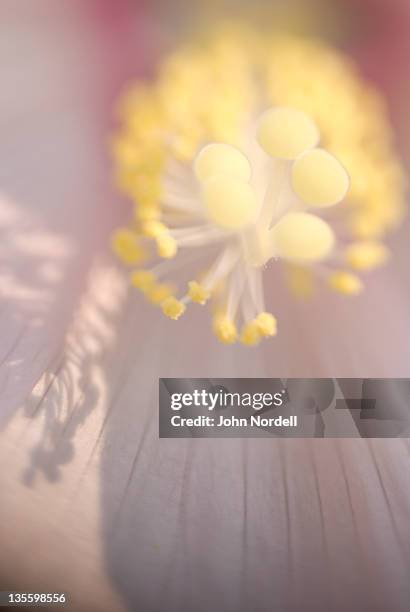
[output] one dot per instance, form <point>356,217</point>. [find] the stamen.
<point>267,324</point>
<point>345,283</point>
<point>221,268</point>
<point>147,213</point>
<point>235,288</point>
<point>183,203</point>
<point>197,235</point>
<point>153,228</point>
<point>180,192</point>
<point>172,308</point>
<point>159,292</point>
<point>224,321</point>
<point>166,246</point>
<point>127,246</point>
<point>251,335</point>
<point>225,329</point>
<point>366,255</point>
<point>198,293</point>
<point>254,276</point>
<point>143,280</point>
<point>163,267</point>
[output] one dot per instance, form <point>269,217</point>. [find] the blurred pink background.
<point>91,501</point>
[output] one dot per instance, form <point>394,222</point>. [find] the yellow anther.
<point>267,324</point>
<point>143,280</point>
<point>286,132</point>
<point>166,246</point>
<point>230,202</point>
<point>302,238</point>
<point>146,213</point>
<point>153,229</point>
<point>126,152</point>
<point>218,158</point>
<point>366,226</point>
<point>319,179</point>
<point>125,179</point>
<point>345,283</point>
<point>251,334</point>
<point>126,246</point>
<point>300,281</point>
<point>198,293</point>
<point>366,255</point>
<point>159,292</point>
<point>147,191</point>
<point>173,308</point>
<point>225,329</point>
